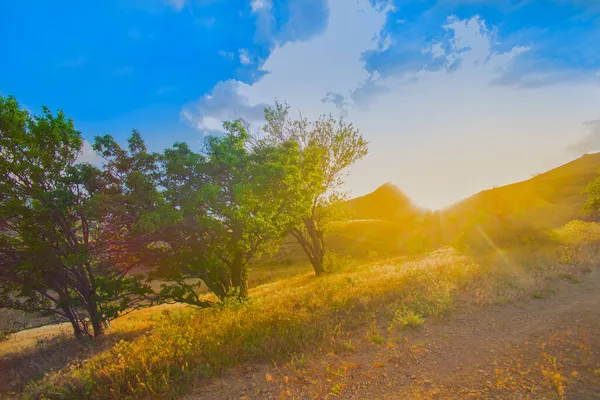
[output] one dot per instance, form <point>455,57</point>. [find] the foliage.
<point>334,262</point>
<point>233,202</point>
<point>592,190</point>
<point>406,318</point>
<point>63,253</point>
<point>327,148</point>
<point>577,232</point>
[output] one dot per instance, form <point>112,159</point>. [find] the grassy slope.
<point>301,314</point>
<point>547,200</point>
<point>385,203</point>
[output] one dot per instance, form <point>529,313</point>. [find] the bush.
<point>372,255</point>
<point>5,335</point>
<point>334,262</point>
<point>577,232</point>
<point>404,317</point>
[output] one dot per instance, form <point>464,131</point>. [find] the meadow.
<point>168,350</point>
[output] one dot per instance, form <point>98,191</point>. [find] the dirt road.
<point>544,347</point>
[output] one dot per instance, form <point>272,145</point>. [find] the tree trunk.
<point>97,324</point>
<point>218,283</point>
<point>239,276</point>
<point>77,331</point>
<point>71,316</point>
<point>313,244</point>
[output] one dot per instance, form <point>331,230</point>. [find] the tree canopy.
<point>328,147</point>
<point>82,242</point>
<point>235,200</point>
<point>63,251</point>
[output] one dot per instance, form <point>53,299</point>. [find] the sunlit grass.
<point>178,345</point>
<point>282,317</point>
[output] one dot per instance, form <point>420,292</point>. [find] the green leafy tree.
<point>592,204</point>
<point>327,148</point>
<point>233,203</point>
<point>64,252</point>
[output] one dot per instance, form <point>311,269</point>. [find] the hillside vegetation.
<point>306,315</point>
<point>545,201</point>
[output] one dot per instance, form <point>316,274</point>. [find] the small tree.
<point>327,148</point>
<point>233,203</point>
<point>592,204</point>
<point>57,257</point>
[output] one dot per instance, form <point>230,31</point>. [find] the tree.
<point>62,248</point>
<point>233,203</point>
<point>327,148</point>
<point>592,204</point>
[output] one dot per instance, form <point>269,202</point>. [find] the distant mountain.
<point>386,203</point>
<point>385,221</point>
<point>546,200</point>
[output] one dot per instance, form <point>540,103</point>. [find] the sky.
<point>454,96</point>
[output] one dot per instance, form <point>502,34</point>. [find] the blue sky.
<point>455,96</point>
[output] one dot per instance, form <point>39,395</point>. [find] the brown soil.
<point>547,347</point>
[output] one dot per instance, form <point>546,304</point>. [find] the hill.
<point>385,222</point>
<point>387,202</point>
<point>545,201</point>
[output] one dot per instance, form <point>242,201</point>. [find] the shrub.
<point>406,318</point>
<point>577,232</point>
<point>334,262</point>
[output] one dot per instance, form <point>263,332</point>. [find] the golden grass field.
<point>166,350</point>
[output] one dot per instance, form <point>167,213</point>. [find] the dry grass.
<point>161,351</point>
<point>281,318</point>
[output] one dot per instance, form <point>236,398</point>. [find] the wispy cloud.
<point>244,57</point>
<point>176,4</point>
<point>225,102</point>
<point>260,5</point>
<point>264,19</point>
<point>590,142</point>
<point>227,54</point>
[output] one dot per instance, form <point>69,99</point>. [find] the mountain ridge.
<point>558,186</point>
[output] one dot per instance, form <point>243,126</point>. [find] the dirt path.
<point>539,348</point>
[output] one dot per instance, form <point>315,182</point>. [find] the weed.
<point>404,318</point>
<point>542,294</point>
<point>570,277</point>
<point>336,389</point>
<point>552,372</point>
<point>374,336</point>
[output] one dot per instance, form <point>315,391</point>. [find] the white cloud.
<point>260,5</point>
<point>590,142</point>
<point>264,20</point>
<point>88,155</point>
<point>440,134</point>
<point>436,50</point>
<point>226,102</point>
<point>227,54</point>
<point>176,4</point>
<point>245,57</point>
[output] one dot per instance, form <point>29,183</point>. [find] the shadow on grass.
<point>53,353</point>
